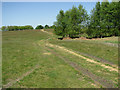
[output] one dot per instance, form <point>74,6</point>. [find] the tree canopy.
<point>70,23</point>
<point>39,27</point>
<point>46,27</point>
<point>103,21</point>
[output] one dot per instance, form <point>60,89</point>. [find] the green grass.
<point>91,47</point>
<point>94,68</point>
<point>53,73</point>
<point>112,42</point>
<point>19,53</point>
<point>23,50</point>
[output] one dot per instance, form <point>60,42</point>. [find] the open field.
<point>37,59</point>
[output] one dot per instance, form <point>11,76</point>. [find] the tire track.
<point>98,80</point>
<point>91,56</point>
<point>20,78</point>
<point>87,59</point>
<point>98,59</point>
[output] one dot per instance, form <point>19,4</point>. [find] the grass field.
<point>37,59</point>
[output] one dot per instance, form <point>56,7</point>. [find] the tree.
<point>3,28</point>
<point>28,27</point>
<point>46,26</point>
<point>60,24</point>
<point>105,18</point>
<point>52,27</point>
<point>74,22</point>
<point>15,28</point>
<point>114,12</point>
<point>39,27</point>
<point>70,23</point>
<point>94,29</point>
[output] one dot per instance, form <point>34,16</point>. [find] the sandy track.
<point>45,31</point>
<point>98,80</point>
<point>98,59</point>
<point>87,59</point>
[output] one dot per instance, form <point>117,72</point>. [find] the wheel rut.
<point>20,78</point>
<point>87,59</point>
<point>98,80</point>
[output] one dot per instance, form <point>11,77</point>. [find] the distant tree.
<point>39,27</point>
<point>15,28</point>
<point>3,28</point>
<point>52,27</point>
<point>46,26</point>
<point>28,27</point>
<point>10,28</point>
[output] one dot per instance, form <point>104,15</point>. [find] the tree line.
<point>103,21</point>
<point>15,28</point>
<point>27,27</point>
<point>45,27</point>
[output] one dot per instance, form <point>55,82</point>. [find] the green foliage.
<point>104,20</point>
<point>28,27</point>
<point>3,28</point>
<point>84,35</point>
<point>46,27</point>
<point>39,27</point>
<point>69,23</point>
<point>52,27</point>
<point>60,24</point>
<point>15,28</point>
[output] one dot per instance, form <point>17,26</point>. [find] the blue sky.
<point>36,13</point>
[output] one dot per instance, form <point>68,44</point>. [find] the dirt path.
<point>94,57</point>
<point>98,59</point>
<point>20,78</point>
<point>98,80</point>
<point>45,31</point>
<point>87,59</point>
